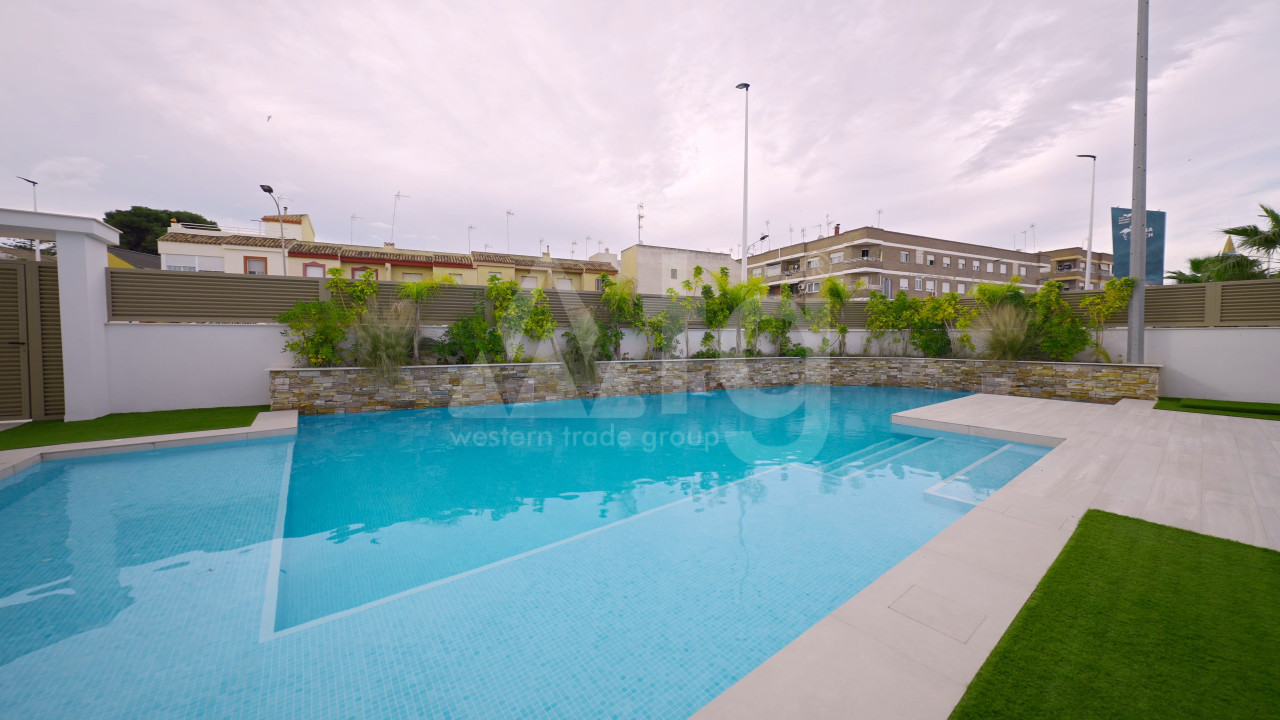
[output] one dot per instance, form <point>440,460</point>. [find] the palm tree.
<point>1219,268</point>
<point>1254,239</point>
<point>837,294</point>
<point>418,292</point>
<point>733,296</point>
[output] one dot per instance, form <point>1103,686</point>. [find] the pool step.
<point>860,456</point>
<point>956,488</point>
<point>881,457</point>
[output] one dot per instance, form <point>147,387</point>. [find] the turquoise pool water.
<point>630,557</point>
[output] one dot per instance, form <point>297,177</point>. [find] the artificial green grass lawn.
<point>1263,411</point>
<point>125,425</point>
<point>1137,620</point>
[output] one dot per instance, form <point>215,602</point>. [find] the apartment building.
<point>656,268</point>
<point>891,262</point>
<point>1066,265</point>
<point>194,248</point>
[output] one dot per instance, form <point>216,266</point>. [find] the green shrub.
<point>471,339</point>
<point>1061,334</point>
<point>931,339</point>
<point>316,331</point>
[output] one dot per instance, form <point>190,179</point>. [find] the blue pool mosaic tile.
<point>410,575</point>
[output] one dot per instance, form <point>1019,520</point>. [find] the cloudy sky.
<point>958,120</point>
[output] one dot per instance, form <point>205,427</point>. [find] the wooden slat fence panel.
<point>167,296</point>
<point>164,296</point>
<point>12,352</point>
<point>1252,302</point>
<point>50,343</point>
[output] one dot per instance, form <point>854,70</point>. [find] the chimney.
<point>286,211</point>
<point>547,253</point>
<point>388,244</point>
<point>837,229</point>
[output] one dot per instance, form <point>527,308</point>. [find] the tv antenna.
<point>639,222</point>
<point>352,238</point>
<point>879,211</point>
<point>573,246</point>
<point>394,208</point>
<point>509,214</point>
<point>1033,238</point>
<point>469,229</point>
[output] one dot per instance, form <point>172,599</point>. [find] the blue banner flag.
<point>1120,221</point>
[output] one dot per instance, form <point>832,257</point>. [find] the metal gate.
<point>30,341</point>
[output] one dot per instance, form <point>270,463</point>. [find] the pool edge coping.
<point>268,423</point>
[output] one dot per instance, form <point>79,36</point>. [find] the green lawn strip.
<point>1137,620</point>
<point>1262,411</point>
<point>125,425</point>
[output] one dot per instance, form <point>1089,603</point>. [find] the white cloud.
<point>68,172</point>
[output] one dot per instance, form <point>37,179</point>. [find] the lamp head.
<point>743,86</point>
<point>266,189</point>
<point>1091,157</point>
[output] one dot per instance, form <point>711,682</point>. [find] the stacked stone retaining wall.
<point>334,390</point>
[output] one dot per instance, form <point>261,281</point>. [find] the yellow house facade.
<point>182,250</point>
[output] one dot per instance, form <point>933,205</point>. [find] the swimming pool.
<point>628,557</point>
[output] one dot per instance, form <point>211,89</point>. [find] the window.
<point>255,266</point>
<point>457,277</point>
<point>904,256</point>
<point>1106,267</point>
<point>493,274</point>
<point>1004,269</point>
<point>837,257</point>
<point>313,269</point>
<point>814,262</point>
<point>960,288</point>
<point>1064,266</point>
<point>673,273</point>
<point>756,272</point>
<point>1022,270</point>
<point>946,261</point>
<point>191,263</point>
<point>886,286</point>
<point>990,267</point>
<point>773,270</point>
<point>928,260</point>
<point>599,284</point>
<point>919,283</point>
<point>902,283</point>
<point>411,277</point>
<point>358,271</point>
<point>866,253</point>
<point>929,286</point>
<point>946,287</point>
<point>812,287</point>
<point>564,284</point>
<point>960,263</point>
<point>529,282</point>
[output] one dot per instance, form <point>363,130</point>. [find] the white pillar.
<point>82,297</point>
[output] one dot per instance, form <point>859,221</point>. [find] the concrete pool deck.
<point>266,424</point>
<point>908,645</point>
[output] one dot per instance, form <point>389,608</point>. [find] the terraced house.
<point>202,248</point>
<point>891,262</point>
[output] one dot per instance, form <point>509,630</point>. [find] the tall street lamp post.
<point>1136,351</point>
<point>746,118</point>
<point>284,248</point>
<point>1088,248</point>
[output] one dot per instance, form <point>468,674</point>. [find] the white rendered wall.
<point>1211,363</point>
<point>169,366</point>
